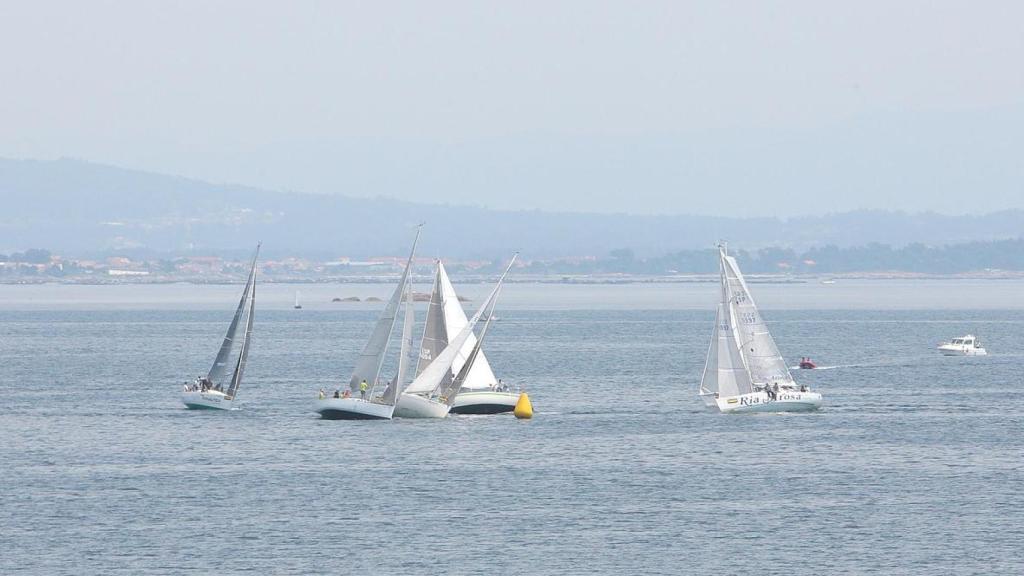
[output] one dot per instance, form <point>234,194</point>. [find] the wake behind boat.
<point>744,371</point>
<point>208,391</point>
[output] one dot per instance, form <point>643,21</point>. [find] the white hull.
<point>352,409</point>
<point>211,400</point>
<point>962,351</point>
<point>416,406</point>
<point>484,402</point>
<point>760,402</point>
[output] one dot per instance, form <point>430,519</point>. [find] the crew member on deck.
<point>362,389</point>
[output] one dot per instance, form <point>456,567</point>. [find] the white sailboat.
<point>481,392</point>
<point>744,370</point>
<point>447,357</point>
<point>210,391</point>
<point>360,402</point>
<point>297,306</point>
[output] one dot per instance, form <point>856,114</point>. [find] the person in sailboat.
<point>336,395</point>
<point>322,394</point>
<point>362,389</point>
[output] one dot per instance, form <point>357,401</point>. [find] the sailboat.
<point>447,357</point>
<point>481,392</point>
<point>213,391</point>
<point>359,401</point>
<point>744,370</point>
<point>297,306</point>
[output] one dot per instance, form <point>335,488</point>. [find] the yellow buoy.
<point>523,410</point>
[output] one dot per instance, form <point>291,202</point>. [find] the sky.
<point>718,108</point>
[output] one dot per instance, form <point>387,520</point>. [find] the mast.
<point>371,359</point>
<point>220,363</point>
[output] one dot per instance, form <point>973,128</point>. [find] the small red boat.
<point>807,364</point>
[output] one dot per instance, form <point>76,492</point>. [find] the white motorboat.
<point>209,391</point>
<point>964,346</point>
<point>744,371</point>
<point>439,381</point>
<point>359,402</point>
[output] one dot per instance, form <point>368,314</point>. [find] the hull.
<point>206,401</point>
<point>352,409</point>
<point>484,402</point>
<point>959,351</point>
<point>760,402</point>
<point>416,406</point>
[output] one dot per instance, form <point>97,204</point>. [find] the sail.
<point>449,392</point>
<point>435,330</point>
<point>243,355</point>
<point>760,354</point>
<point>220,364</point>
<point>371,359</point>
<point>430,379</point>
<point>480,376</point>
<point>395,388</point>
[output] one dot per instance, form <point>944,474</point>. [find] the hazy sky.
<point>750,108</point>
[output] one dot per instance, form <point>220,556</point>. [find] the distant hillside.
<point>78,208</point>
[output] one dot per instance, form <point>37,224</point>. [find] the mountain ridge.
<point>81,208</point>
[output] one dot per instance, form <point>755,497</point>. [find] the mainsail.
<point>371,359</point>
<point>395,388</point>
<point>762,358</point>
<point>220,364</point>
<point>428,381</point>
<point>435,330</point>
<point>243,356</point>
<point>449,392</point>
<point>480,375</point>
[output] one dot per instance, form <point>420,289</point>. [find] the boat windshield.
<point>958,341</point>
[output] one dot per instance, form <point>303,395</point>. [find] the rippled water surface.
<point>914,467</point>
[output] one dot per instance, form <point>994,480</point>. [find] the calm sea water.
<point>914,467</point>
